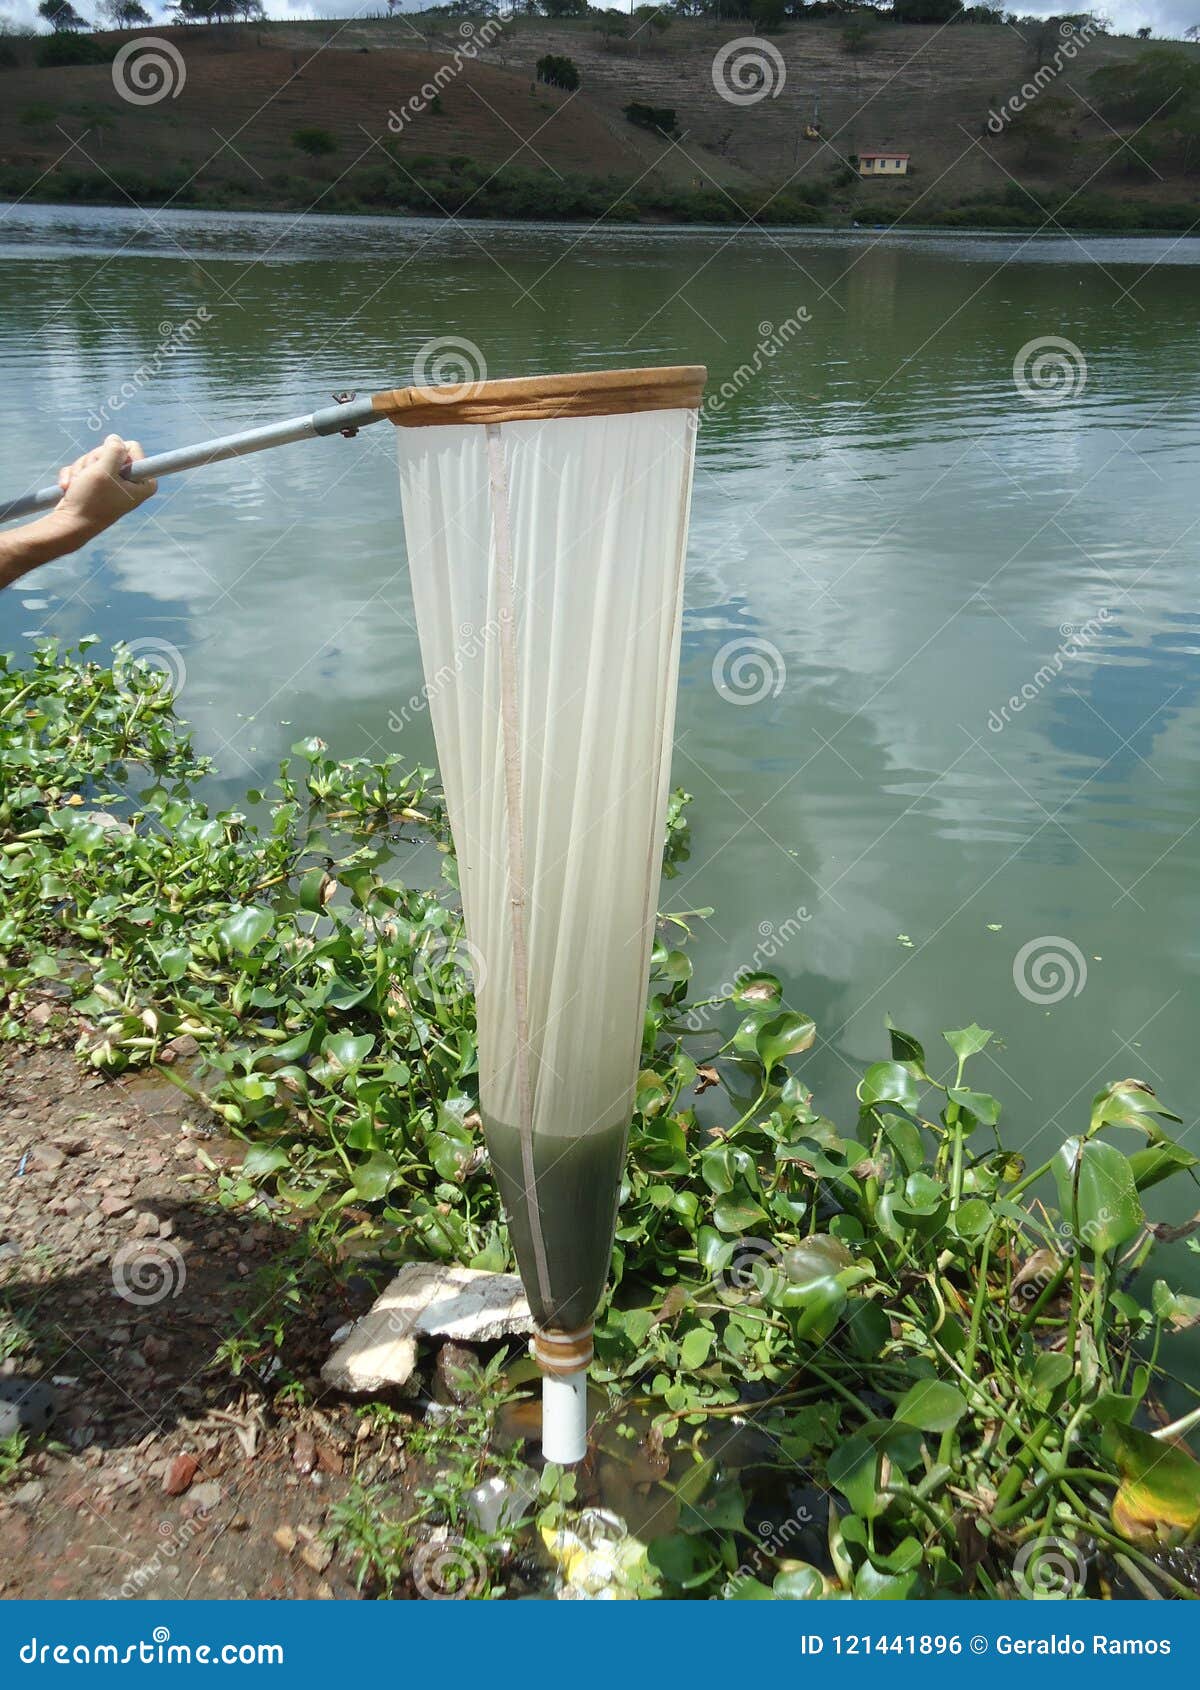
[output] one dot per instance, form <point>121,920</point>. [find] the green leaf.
<point>1129,1103</point>
<point>783,1036</point>
<point>682,1560</point>
<point>932,1405</point>
<point>264,1159</point>
<point>696,1347</point>
<point>1159,1161</point>
<point>967,1041</point>
<point>872,1584</point>
<point>1178,1310</point>
<point>981,1104</point>
<point>1158,1501</point>
<point>737,1214</point>
<point>375,1177</point>
<point>904,1047</point>
<point>1100,1179</point>
<point>889,1082</point>
<point>243,929</point>
<point>853,1468</point>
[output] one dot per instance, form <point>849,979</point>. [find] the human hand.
<point>94,493</point>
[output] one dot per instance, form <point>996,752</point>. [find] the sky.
<point>1165,17</point>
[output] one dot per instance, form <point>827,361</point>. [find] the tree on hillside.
<point>61,15</point>
<point>558,71</point>
<point>565,8</point>
<point>125,14</point>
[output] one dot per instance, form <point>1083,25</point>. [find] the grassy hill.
<point>332,115</point>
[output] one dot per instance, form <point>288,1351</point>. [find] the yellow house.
<point>883,164</point>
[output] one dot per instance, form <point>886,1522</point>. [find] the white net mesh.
<point>547,569</point>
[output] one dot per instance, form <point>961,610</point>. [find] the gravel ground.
<point>160,1473</point>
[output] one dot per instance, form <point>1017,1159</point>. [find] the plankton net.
<point>546,523</point>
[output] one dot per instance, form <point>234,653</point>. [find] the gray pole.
<point>354,414</point>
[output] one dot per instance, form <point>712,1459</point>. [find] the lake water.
<point>892,538</point>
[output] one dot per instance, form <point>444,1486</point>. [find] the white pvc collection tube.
<point>564,1417</point>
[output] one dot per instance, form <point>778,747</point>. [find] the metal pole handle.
<point>353,414</point>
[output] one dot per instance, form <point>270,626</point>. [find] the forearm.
<point>39,542</point>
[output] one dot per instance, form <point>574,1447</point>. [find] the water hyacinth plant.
<point>880,1359</point>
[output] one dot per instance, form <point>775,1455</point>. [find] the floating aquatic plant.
<point>952,1386</point>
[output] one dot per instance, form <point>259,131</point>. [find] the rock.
<point>39,1015</point>
<point>113,1205</point>
<point>47,1157</point>
<point>25,1496</point>
<point>453,1374</point>
<point>425,1300</point>
<point>285,1537</point>
<point>155,1349</point>
<point>145,1225</point>
<point>31,1402</point>
<point>180,1474</point>
<point>304,1454</point>
<point>317,1556</point>
<point>204,1498</point>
